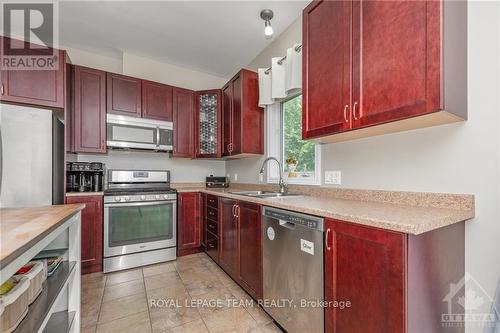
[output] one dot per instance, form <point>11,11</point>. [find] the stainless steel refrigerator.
<point>31,157</point>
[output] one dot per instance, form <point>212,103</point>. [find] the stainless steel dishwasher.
<point>293,269</point>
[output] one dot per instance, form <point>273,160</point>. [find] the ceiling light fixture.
<point>267,15</point>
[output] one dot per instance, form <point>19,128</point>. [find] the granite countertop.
<point>20,228</point>
<point>406,212</point>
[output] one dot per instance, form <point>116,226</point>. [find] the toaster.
<point>217,182</point>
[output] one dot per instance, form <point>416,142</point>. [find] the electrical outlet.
<point>333,177</point>
<point>235,177</point>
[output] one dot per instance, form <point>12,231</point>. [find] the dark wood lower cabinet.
<point>239,233</point>
<point>92,232</point>
<point>394,282</point>
<point>228,256</point>
<point>189,223</point>
<point>250,247</point>
<point>364,266</point>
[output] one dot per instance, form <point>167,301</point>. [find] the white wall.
<point>456,158</point>
<point>182,170</point>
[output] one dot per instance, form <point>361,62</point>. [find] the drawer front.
<point>212,214</point>
<point>212,248</point>
<point>212,201</point>
<point>213,227</point>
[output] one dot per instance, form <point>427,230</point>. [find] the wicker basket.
<point>14,305</point>
<point>37,276</point>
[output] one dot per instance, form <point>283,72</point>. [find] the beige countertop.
<point>20,228</point>
<point>406,212</point>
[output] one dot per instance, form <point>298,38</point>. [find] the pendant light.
<point>267,15</point>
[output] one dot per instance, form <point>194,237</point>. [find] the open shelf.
<point>60,322</point>
<point>42,306</point>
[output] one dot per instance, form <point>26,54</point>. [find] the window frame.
<point>275,146</point>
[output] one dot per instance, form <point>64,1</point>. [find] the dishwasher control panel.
<point>312,222</point>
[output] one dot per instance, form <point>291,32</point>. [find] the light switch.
<point>333,177</point>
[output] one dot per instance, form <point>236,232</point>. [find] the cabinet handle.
<point>237,212</point>
<point>211,226</point>
<point>211,246</point>
<point>2,89</point>
<point>234,213</point>
<point>346,107</point>
<point>354,110</point>
<point>328,248</point>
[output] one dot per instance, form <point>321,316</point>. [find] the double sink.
<point>264,194</point>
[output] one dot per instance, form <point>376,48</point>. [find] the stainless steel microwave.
<point>138,133</point>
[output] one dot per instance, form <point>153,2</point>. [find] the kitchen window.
<point>301,159</point>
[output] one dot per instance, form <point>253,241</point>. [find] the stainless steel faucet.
<point>282,184</point>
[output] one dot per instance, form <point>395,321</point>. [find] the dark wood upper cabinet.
<point>156,101</point>
<point>189,228</point>
<point>89,110</point>
<point>396,60</point>
<point>327,68</point>
<point>91,233</point>
<point>243,119</point>
<point>208,123</point>
<point>371,63</point>
<point>250,247</point>
<point>365,266</point>
<point>124,95</point>
<point>228,255</point>
<point>45,88</point>
<point>183,110</point>
<point>227,129</point>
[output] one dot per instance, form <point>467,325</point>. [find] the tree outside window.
<point>303,153</point>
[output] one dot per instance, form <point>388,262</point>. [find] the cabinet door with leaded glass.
<point>208,124</point>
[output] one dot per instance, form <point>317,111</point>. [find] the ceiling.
<point>216,37</point>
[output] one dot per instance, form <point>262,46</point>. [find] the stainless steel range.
<point>139,219</point>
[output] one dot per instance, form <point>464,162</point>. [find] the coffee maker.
<point>84,176</point>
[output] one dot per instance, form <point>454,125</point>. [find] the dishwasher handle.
<point>286,224</point>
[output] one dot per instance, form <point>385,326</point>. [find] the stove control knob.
<point>117,198</point>
<point>157,196</point>
<point>127,198</point>
<point>165,196</point>
<point>143,197</point>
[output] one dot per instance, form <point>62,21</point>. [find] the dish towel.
<point>265,87</point>
<point>293,70</point>
<point>278,82</point>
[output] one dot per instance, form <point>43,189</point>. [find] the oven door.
<point>139,226</point>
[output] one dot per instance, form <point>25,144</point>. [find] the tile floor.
<point>122,302</point>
